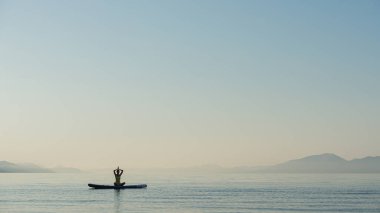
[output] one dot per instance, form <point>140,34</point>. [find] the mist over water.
<point>171,192</point>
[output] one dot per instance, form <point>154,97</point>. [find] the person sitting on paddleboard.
<point>118,172</point>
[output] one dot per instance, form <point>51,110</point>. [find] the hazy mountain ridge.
<point>327,163</point>
<point>9,167</point>
<point>323,163</point>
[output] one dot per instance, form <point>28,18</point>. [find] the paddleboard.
<point>96,186</point>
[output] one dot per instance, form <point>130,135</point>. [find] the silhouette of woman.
<point>118,172</point>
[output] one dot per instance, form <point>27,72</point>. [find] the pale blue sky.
<point>182,83</point>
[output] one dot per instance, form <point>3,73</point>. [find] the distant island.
<point>8,167</point>
<point>326,163</point>
<point>323,163</point>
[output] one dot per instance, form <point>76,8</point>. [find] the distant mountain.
<point>367,164</point>
<point>326,163</point>
<point>8,167</point>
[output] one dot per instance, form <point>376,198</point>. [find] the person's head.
<point>117,171</point>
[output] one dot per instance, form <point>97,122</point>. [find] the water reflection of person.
<point>118,172</point>
<point>118,204</point>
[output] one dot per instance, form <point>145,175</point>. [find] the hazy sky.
<point>182,83</point>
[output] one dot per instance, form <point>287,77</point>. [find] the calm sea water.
<point>192,193</point>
